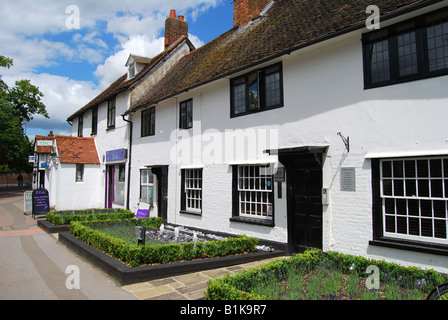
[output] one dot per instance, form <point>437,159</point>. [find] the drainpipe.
<point>129,161</point>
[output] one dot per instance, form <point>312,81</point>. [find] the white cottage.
<point>103,117</point>
<point>306,127</point>
<point>75,174</point>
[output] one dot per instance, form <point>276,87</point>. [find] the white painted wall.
<point>107,139</point>
<point>324,94</point>
<point>66,194</point>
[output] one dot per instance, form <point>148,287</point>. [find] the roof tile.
<point>285,27</point>
<point>77,150</point>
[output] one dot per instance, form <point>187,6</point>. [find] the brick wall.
<point>246,10</point>
<point>10,179</point>
<point>174,28</point>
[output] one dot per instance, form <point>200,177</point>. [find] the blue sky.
<point>72,66</point>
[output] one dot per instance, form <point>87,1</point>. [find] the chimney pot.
<point>174,28</point>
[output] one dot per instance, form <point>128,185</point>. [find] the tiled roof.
<point>77,150</point>
<point>287,26</point>
<point>43,149</point>
<point>122,84</point>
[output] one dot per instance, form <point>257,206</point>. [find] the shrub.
<point>135,255</point>
<point>59,218</point>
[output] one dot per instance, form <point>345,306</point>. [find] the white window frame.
<point>255,192</point>
<point>148,184</point>
<point>132,70</point>
<point>193,180</point>
<point>400,191</point>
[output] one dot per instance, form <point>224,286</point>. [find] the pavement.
<point>35,266</point>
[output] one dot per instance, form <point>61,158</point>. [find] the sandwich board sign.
<point>41,202</point>
<point>28,202</point>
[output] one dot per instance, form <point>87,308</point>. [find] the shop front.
<point>116,178</point>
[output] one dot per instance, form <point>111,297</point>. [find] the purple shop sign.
<point>142,210</point>
<point>116,155</point>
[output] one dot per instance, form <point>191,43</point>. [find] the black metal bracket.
<point>346,141</point>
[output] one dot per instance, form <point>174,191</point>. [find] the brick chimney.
<point>174,28</point>
<point>51,135</point>
<point>246,10</point>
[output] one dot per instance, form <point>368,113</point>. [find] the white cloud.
<point>62,96</point>
<point>114,66</point>
<point>34,34</point>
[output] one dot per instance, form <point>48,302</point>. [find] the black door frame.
<point>289,158</point>
<point>161,173</point>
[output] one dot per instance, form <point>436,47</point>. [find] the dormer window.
<point>132,71</point>
<point>135,64</point>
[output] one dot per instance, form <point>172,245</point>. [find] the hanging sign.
<point>40,202</point>
<point>44,143</point>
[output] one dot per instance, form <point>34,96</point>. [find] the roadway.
<point>35,266</point>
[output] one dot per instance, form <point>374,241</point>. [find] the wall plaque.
<point>348,179</point>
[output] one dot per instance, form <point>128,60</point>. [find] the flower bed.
<point>59,218</point>
<point>315,275</point>
<point>139,255</point>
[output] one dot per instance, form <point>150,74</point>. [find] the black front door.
<point>306,206</point>
<point>304,181</point>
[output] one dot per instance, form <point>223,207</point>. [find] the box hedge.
<point>135,255</point>
<point>59,218</point>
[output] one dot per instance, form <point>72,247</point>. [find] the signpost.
<point>41,202</point>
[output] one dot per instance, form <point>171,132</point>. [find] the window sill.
<point>260,222</point>
<point>110,128</point>
<point>199,214</point>
<point>424,247</point>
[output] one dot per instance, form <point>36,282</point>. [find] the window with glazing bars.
<point>147,186</point>
<point>412,50</point>
<point>192,193</point>
<point>111,114</point>
<point>257,91</point>
<point>148,122</point>
<point>414,195</point>
<point>255,192</point>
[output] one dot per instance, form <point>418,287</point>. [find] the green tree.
<point>18,105</point>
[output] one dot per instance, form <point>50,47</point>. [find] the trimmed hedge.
<point>237,287</point>
<point>135,255</point>
<point>59,218</point>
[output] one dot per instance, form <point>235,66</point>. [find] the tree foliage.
<point>18,105</point>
